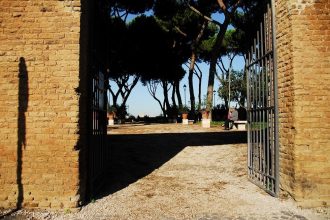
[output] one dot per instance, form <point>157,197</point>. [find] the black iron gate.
<point>98,149</point>
<point>263,147</point>
<point>98,130</point>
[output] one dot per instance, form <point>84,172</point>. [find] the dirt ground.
<point>175,171</point>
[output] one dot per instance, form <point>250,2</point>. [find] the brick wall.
<point>40,68</point>
<point>303,42</point>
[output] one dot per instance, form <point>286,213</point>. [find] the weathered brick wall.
<point>285,95</point>
<point>303,40</point>
<point>39,104</point>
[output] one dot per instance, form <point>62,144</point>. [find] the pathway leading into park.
<point>174,171</point>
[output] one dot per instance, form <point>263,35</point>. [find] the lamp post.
<point>184,88</point>
<point>214,98</point>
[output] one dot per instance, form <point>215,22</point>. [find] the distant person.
<point>241,113</point>
<point>232,116</point>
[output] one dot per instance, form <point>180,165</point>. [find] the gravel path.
<point>181,172</point>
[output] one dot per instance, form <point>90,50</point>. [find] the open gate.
<point>262,113</point>
<point>98,151</point>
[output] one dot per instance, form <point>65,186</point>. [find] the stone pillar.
<point>206,122</point>
<point>41,104</point>
<point>303,42</point>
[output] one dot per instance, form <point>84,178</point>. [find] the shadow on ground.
<point>135,156</point>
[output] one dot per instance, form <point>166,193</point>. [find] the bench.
<point>187,122</point>
<point>239,125</point>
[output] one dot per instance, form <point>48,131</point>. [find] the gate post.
<point>303,89</point>
<point>42,104</point>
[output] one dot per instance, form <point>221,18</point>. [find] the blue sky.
<point>140,102</point>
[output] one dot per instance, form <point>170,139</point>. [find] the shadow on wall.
<point>135,156</point>
<point>23,99</point>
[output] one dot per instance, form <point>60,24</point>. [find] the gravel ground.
<point>180,172</point>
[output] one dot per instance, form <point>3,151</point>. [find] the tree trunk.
<point>242,101</point>
<point>192,67</point>
<point>190,78</point>
<point>152,88</point>
<point>215,53</point>
<point>178,94</point>
<point>114,97</point>
<point>199,93</point>
<point>199,87</point>
<point>160,104</point>
<point>226,101</point>
<point>135,81</point>
<point>165,91</point>
<point>210,86</point>
<point>173,95</point>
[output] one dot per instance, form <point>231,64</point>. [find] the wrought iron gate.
<point>98,130</point>
<point>262,113</point>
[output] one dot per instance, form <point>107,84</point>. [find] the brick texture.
<point>39,104</point>
<point>303,47</point>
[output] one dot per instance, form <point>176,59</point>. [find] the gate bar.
<point>276,133</point>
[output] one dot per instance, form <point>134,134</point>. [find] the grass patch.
<point>217,123</point>
<point>213,123</point>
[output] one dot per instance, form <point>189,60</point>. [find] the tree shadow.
<point>137,155</point>
<point>23,99</point>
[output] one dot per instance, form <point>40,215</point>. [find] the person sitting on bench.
<point>232,116</point>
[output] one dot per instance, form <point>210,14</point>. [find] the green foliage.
<point>217,123</point>
<point>129,6</point>
<point>167,9</point>
<point>184,24</point>
<point>153,56</point>
<point>246,22</point>
<point>118,58</point>
<point>237,87</point>
<point>111,108</point>
<point>121,111</point>
<point>230,44</point>
<point>184,109</point>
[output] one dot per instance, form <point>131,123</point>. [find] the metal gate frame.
<point>98,130</point>
<point>262,106</point>
<point>98,151</point>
